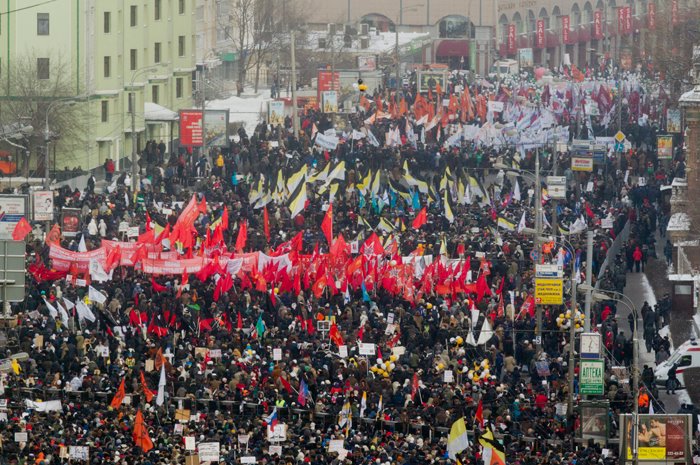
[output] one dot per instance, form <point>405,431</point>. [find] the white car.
<point>686,356</point>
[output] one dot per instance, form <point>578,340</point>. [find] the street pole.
<point>134,164</point>
<point>538,234</point>
<point>398,64</point>
<point>295,115</point>
<point>572,338</point>
<point>589,277</point>
<point>203,79</point>
<point>46,153</point>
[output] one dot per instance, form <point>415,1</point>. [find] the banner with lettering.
<point>511,38</point>
<point>628,19</point>
<point>62,259</point>
<point>597,24</point>
<point>620,20</point>
<point>539,38</point>
<point>565,28</point>
<point>651,16</point>
<point>674,12</point>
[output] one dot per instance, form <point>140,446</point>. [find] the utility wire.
<point>26,7</point>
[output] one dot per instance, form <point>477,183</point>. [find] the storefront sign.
<point>539,43</point>
<point>591,377</point>
<point>598,24</point>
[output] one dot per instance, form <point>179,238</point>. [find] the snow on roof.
<point>245,110</point>
<point>154,112</point>
<point>679,222</point>
<point>378,43</point>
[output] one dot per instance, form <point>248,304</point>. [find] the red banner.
<point>674,12</point>
<point>62,259</point>
<point>191,128</point>
<point>620,20</point>
<point>597,24</point>
<point>628,19</point>
<point>539,37</point>
<point>565,28</point>
<point>651,16</point>
<point>511,38</point>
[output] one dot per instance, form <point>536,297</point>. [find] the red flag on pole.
<point>420,219</point>
<point>327,224</point>
<point>242,236</point>
<point>414,387</point>
<point>22,228</point>
<point>479,415</point>
<point>266,223</point>
<point>140,434</point>
<point>119,396</point>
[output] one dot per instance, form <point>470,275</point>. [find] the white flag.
<point>68,304</point>
<point>522,223</point>
<point>96,296</point>
<point>52,310</point>
<point>161,386</point>
<point>84,312</point>
<point>516,191</point>
<point>81,245</point>
<point>545,221</point>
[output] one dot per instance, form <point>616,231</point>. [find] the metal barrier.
<point>613,251</point>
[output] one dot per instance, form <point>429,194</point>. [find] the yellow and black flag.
<point>297,199</point>
<point>494,453</point>
<point>449,206</point>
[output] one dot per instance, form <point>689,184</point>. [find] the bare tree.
<point>36,84</point>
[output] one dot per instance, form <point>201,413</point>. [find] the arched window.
<point>454,27</point>
<point>531,22</point>
<point>545,17</point>
<point>518,21</point>
<point>381,22</point>
<point>575,16</point>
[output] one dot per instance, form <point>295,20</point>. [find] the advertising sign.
<point>539,35</point>
<point>556,187</point>
<point>191,128</point>
<point>511,38</point>
<point>42,205</point>
<point>329,100</point>
<point>12,209</point>
<point>327,81</point>
<point>526,58</point>
<point>430,79</point>
<point>549,291</point>
<point>367,63</point>
<point>594,422</point>
<point>275,112</point>
<point>581,164</point>
<point>659,437</point>
<point>664,147</point>
<point>673,120</point>
<point>70,222</point>
<point>565,28</point>
<point>651,16</point>
<point>216,127</point>
<point>592,377</point>
<point>597,24</point>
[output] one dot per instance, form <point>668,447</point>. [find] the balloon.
<point>459,340</point>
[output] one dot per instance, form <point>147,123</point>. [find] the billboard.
<point>594,422</point>
<point>367,63</point>
<point>12,209</point>
<point>70,222</point>
<point>191,128</point>
<point>42,205</point>
<point>329,100</point>
<point>430,79</point>
<point>673,120</point>
<point>216,128</point>
<point>664,147</point>
<point>275,112</point>
<point>327,80</point>
<point>581,164</point>
<point>526,58</point>
<point>664,438</point>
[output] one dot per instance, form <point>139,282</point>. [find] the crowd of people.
<point>348,304</point>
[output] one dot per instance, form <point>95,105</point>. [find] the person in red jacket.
<point>637,256</point>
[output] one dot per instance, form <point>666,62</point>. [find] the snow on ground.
<point>666,331</point>
<point>648,291</point>
<point>683,397</point>
<point>246,109</point>
<point>383,42</point>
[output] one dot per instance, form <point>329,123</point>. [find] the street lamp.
<point>135,183</point>
<point>399,20</point>
<point>604,294</point>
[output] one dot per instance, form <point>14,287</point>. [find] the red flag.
<point>22,228</point>
<point>479,415</point>
<point>139,255</point>
<point>242,236</point>
<point>146,392</point>
<point>113,258</point>
<point>287,386</point>
<point>118,396</point>
<point>420,219</point>
<point>146,238</point>
<point>157,287</point>
<point>54,236</point>
<point>140,435</point>
<point>148,222</point>
<point>589,212</point>
<point>224,218</point>
<point>266,223</point>
<point>414,387</point>
<point>159,359</point>
<point>239,324</point>
<point>334,335</point>
<point>327,224</point>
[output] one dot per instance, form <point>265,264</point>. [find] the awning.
<point>453,48</point>
<point>154,112</point>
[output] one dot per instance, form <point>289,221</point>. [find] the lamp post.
<point>399,21</point>
<point>605,294</point>
<point>47,134</point>
<point>135,184</point>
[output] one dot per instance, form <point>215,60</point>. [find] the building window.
<point>156,13</point>
<point>133,59</point>
<point>42,68</point>
<point>181,46</point>
<point>42,24</point>
<point>108,66</point>
<point>154,94</point>
<point>181,7</point>
<point>133,19</point>
<point>130,102</point>
<point>156,53</point>
<point>105,111</point>
<point>178,87</point>
<point>108,22</point>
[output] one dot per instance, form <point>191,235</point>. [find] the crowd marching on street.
<point>344,296</point>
